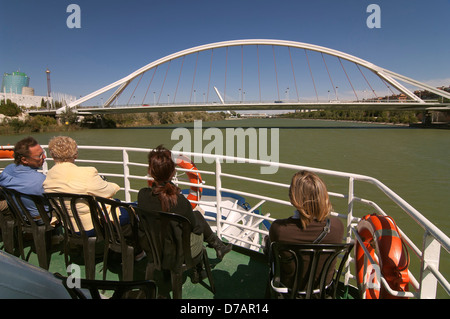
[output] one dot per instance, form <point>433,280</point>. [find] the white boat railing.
<point>428,255</point>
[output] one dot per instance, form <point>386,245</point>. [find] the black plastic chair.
<point>312,269</point>
<point>8,227</point>
<point>23,223</point>
<point>169,239</point>
<point>65,206</point>
<point>116,238</point>
<point>142,289</point>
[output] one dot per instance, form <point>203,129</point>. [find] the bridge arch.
<point>387,75</point>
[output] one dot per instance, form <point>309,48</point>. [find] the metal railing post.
<point>430,258</point>
<point>126,175</point>
<point>219,197</point>
<point>351,183</point>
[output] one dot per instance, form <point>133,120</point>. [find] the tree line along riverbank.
<point>13,120</point>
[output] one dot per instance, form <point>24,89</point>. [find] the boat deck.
<point>242,274</point>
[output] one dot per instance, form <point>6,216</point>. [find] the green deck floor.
<point>242,274</point>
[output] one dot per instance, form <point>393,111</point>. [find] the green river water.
<point>413,162</point>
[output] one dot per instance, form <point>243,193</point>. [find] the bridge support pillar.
<point>427,118</point>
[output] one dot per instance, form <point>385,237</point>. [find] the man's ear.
<point>24,161</point>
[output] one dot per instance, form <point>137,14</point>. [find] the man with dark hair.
<point>23,175</point>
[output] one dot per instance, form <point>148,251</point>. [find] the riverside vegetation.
<point>13,120</point>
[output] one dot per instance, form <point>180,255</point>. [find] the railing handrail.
<point>411,211</point>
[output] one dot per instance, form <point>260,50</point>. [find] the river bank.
<point>24,124</point>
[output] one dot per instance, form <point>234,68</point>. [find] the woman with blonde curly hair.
<point>66,177</point>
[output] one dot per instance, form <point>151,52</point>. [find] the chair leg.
<point>128,264</point>
<point>105,261</point>
<point>8,237</point>
<point>177,284</point>
<point>20,243</point>
<point>150,271</point>
<point>40,244</point>
<point>89,258</point>
<point>208,270</point>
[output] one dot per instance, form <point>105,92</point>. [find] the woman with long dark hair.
<point>166,196</point>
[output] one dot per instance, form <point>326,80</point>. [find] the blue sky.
<point>118,37</point>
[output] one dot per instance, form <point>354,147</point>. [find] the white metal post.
<point>351,183</point>
<point>430,258</point>
<point>219,197</point>
<point>126,174</point>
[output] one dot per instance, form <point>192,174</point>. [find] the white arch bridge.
<point>259,74</point>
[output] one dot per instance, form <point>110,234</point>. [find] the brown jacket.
<point>289,231</point>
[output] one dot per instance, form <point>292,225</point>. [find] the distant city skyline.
<point>116,38</point>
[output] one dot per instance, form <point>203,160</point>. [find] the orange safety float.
<point>6,153</point>
<point>380,236</point>
<point>194,178</point>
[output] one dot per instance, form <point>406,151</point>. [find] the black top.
<point>289,230</point>
<point>147,200</point>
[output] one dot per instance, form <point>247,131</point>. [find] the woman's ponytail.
<point>162,169</point>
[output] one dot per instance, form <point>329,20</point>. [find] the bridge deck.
<point>274,106</point>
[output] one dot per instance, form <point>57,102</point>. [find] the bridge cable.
<point>276,73</point>
<point>293,73</point>
<point>148,87</point>
<point>242,72</point>
<point>209,79</point>
<point>357,99</point>
<point>389,88</point>
<point>193,79</point>
<point>259,76</point>
<point>178,82</point>
<point>332,84</point>
<point>128,103</point>
<point>162,87</point>
<point>373,91</point>
<point>312,77</point>
<point>226,66</point>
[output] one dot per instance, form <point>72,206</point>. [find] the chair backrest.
<point>66,206</point>
<point>17,203</point>
<point>109,211</point>
<point>311,268</point>
<point>168,236</point>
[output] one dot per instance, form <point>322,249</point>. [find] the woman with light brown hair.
<point>311,221</point>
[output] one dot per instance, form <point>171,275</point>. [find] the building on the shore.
<point>15,87</point>
<point>14,82</point>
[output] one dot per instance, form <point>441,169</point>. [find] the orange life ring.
<point>194,178</point>
<point>380,235</point>
<point>6,153</point>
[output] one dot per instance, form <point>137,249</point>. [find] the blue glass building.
<point>14,82</point>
